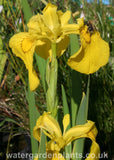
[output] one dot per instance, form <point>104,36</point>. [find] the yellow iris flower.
<point>58,140</point>
<point>93,53</point>
<point>43,29</point>
<point>52,27</point>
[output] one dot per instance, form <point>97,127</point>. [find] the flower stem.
<point>51,79</point>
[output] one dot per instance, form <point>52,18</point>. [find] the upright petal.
<point>23,46</point>
<point>66,121</point>
<point>65,18</point>
<point>50,16</point>
<point>34,24</point>
<point>80,22</point>
<point>70,28</point>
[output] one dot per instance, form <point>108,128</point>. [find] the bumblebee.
<point>91,26</point>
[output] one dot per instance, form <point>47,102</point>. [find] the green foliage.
<point>3,59</point>
<point>101,103</point>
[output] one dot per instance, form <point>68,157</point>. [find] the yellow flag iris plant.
<point>48,36</point>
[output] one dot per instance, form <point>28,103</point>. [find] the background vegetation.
<point>14,116</point>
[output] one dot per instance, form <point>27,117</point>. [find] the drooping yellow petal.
<point>23,46</point>
<point>49,125</point>
<point>89,131</point>
<point>91,56</point>
<point>77,131</point>
<point>95,149</point>
<point>36,130</point>
<point>27,45</point>
<point>33,79</point>
<point>19,49</point>
<point>94,152</point>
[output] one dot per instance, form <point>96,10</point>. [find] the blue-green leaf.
<point>82,119</point>
<point>33,116</point>
<point>42,147</point>
<point>41,63</point>
<point>76,79</point>
<point>66,111</point>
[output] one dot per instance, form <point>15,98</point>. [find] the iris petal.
<point>62,45</point>
<point>50,16</point>
<point>77,132</point>
<point>23,47</point>
<point>49,125</point>
<point>65,18</point>
<point>66,121</point>
<point>91,56</point>
<point>44,50</point>
<point>57,142</point>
